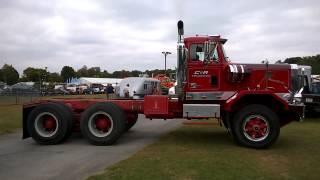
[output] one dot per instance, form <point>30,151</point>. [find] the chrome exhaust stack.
<point>180,61</point>
<point>180,31</point>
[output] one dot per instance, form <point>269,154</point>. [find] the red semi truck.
<point>251,100</point>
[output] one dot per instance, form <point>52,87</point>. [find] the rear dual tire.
<point>103,123</point>
<point>50,123</point>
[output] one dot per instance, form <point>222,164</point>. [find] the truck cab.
<point>252,100</point>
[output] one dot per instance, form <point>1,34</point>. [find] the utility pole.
<point>42,80</point>
<point>165,53</point>
<point>45,78</point>
<point>40,83</point>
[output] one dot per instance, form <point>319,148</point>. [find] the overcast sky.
<point>130,35</point>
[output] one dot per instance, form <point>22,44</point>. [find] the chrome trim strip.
<point>215,95</point>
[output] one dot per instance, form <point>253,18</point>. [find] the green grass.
<point>10,118</point>
<point>13,100</point>
<point>207,152</point>
<point>11,113</point>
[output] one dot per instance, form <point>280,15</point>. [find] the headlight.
<point>289,97</point>
<point>297,100</point>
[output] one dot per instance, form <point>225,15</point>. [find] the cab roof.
<point>203,38</point>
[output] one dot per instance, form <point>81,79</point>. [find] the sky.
<point>131,35</point>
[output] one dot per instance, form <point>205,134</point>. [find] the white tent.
<point>103,81</point>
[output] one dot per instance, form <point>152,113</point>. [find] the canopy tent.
<point>103,81</point>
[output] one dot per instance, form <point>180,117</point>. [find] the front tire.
<point>256,126</point>
<point>103,123</point>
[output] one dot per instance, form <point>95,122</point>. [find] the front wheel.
<point>256,126</point>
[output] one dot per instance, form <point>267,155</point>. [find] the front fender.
<point>256,95</point>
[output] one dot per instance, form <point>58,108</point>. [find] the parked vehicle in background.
<point>72,88</point>
<point>4,88</point>
<point>3,85</point>
<point>59,86</point>
<point>138,87</point>
<point>311,99</point>
<point>97,88</point>
<point>81,88</point>
<point>88,91</point>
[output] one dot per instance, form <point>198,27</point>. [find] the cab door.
<point>203,75</point>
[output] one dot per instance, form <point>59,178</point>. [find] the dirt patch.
<point>275,164</point>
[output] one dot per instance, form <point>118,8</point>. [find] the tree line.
<point>10,75</point>
<point>313,61</point>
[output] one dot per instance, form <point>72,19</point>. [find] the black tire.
<point>130,123</point>
<point>114,114</point>
<point>62,117</point>
<point>263,114</point>
<point>68,114</point>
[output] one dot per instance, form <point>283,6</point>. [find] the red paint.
<point>165,81</point>
<point>229,103</point>
<point>156,105</point>
<point>49,123</point>
<point>256,128</point>
<point>103,123</point>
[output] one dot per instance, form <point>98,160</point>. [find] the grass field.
<point>10,118</point>
<point>11,113</point>
<point>207,152</point>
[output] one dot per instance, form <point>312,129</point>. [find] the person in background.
<point>126,91</point>
<point>109,91</point>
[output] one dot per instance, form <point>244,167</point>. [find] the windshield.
<point>224,53</point>
<point>213,52</point>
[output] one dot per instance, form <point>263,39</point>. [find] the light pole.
<point>165,53</point>
<point>45,78</point>
<point>42,80</point>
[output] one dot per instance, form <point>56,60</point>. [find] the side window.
<point>197,52</point>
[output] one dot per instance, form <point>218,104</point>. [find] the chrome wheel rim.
<point>256,128</point>
<point>46,124</point>
<point>100,124</point>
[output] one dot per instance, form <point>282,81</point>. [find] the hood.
<point>277,77</point>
